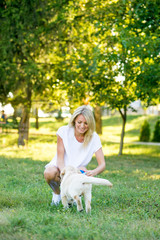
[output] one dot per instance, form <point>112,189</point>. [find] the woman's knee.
<point>50,173</point>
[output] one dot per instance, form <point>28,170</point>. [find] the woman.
<point>76,144</point>
<point>4,117</point>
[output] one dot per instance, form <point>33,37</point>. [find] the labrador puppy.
<point>74,184</point>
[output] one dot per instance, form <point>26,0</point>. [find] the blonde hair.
<point>87,113</point>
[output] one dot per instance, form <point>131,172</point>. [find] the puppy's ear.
<point>62,172</point>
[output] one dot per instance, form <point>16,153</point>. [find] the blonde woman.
<point>76,144</point>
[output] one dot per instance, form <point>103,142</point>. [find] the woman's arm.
<point>60,153</point>
<point>101,164</point>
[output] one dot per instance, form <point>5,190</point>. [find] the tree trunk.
<point>37,123</point>
<point>24,123</point>
<point>124,119</point>
<point>24,128</point>
<point>98,119</point>
<point>15,112</point>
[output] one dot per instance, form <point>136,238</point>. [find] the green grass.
<point>130,210</point>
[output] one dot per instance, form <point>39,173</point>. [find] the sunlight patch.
<point>152,177</point>
<point>155,177</point>
<point>5,214</point>
<point>116,171</point>
<point>146,176</point>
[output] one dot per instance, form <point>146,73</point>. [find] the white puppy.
<point>75,184</point>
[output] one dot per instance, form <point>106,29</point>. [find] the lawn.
<point>130,210</point>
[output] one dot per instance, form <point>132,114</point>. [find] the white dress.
<point>75,153</point>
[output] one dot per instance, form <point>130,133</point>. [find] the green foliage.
<point>23,37</point>
<point>156,133</point>
<point>81,47</point>
<point>145,132</point>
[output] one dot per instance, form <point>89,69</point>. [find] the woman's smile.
<point>81,125</point>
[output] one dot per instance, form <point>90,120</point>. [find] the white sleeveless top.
<point>75,153</point>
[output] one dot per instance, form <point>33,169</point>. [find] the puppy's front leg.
<point>64,202</point>
<point>87,199</point>
<point>79,203</point>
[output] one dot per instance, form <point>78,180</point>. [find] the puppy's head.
<point>68,169</point>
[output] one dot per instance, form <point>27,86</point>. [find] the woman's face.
<point>81,125</point>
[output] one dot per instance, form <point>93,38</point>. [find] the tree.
<point>135,30</point>
<point>20,32</point>
<point>145,132</point>
<point>156,133</point>
<point>146,26</point>
<point>94,65</point>
<point>25,27</point>
<point>107,60</point>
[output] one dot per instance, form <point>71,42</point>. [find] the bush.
<point>145,132</point>
<point>156,133</point>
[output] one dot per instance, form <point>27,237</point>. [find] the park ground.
<point>128,211</point>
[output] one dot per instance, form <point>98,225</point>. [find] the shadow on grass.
<point>137,119</point>
<point>132,132</point>
<point>51,124</point>
<point>42,138</point>
<point>117,121</point>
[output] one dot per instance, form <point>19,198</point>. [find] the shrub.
<point>156,133</point>
<point>145,132</point>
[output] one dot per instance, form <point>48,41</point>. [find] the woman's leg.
<point>52,177</point>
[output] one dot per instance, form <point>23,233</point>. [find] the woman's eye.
<point>86,124</point>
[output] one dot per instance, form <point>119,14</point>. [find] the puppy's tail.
<point>97,181</point>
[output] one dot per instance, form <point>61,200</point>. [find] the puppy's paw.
<point>79,209</point>
<point>70,205</point>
